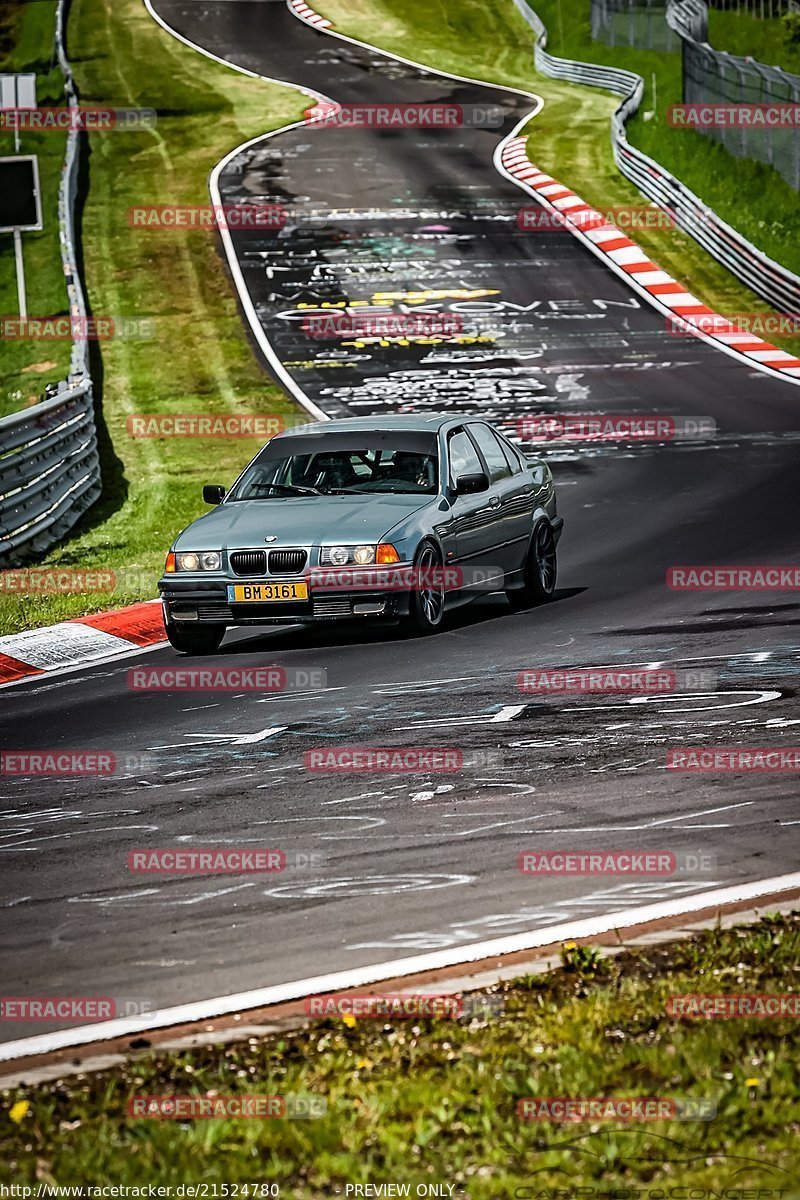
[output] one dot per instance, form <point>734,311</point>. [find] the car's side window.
<point>492,451</point>
<point>511,458</point>
<point>462,455</point>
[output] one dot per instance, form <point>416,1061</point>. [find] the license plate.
<point>261,593</point>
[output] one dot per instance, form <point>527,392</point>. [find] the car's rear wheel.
<point>198,639</point>
<point>426,608</point>
<point>540,570</point>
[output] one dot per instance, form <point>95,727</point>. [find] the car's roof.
<point>421,422</point>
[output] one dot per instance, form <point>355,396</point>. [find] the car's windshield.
<point>301,466</point>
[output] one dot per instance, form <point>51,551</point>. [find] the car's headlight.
<point>342,556</point>
<point>336,556</point>
<point>201,560</point>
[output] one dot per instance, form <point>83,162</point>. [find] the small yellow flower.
<point>570,945</point>
<point>349,1020</point>
<point>363,1062</point>
<point>19,1111</point>
<point>752,1082</point>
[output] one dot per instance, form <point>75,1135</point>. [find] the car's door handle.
<point>493,503</point>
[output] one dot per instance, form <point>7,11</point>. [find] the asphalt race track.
<point>383,866</point>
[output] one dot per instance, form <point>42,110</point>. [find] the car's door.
<point>513,489</point>
<point>474,515</point>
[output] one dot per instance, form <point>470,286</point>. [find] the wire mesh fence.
<point>765,125</point>
<point>760,113</point>
<point>639,23</point>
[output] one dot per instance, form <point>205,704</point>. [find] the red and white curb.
<point>80,642</point>
<point>301,9</point>
<point>610,244</point>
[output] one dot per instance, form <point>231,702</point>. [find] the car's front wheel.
<point>199,639</point>
<point>426,607</point>
<point>540,570</point>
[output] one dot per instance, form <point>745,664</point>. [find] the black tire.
<point>540,571</point>
<point>426,606</point>
<point>196,639</point>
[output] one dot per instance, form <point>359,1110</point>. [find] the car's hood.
<point>299,521</point>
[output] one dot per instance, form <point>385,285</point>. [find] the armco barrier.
<point>49,464</point>
<point>777,285</point>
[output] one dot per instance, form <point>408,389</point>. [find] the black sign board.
<point>20,201</point>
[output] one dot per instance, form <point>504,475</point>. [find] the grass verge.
<point>26,44</point>
<point>422,1101</point>
<point>570,138</point>
<point>201,360</point>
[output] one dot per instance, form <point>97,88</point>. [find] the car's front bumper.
<point>191,600</point>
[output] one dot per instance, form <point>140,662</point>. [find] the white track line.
<point>204,1010</point>
<point>246,302</point>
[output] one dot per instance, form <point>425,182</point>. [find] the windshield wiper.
<point>346,492</point>
<point>293,489</point>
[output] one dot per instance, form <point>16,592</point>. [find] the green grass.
<point>26,44</point>
<point>766,40</point>
<point>201,359</point>
<point>570,138</point>
<point>426,1101</point>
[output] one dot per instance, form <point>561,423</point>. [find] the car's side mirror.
<point>213,493</point>
<point>467,485</point>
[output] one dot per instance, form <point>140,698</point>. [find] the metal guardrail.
<point>773,282</point>
<point>49,463</point>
